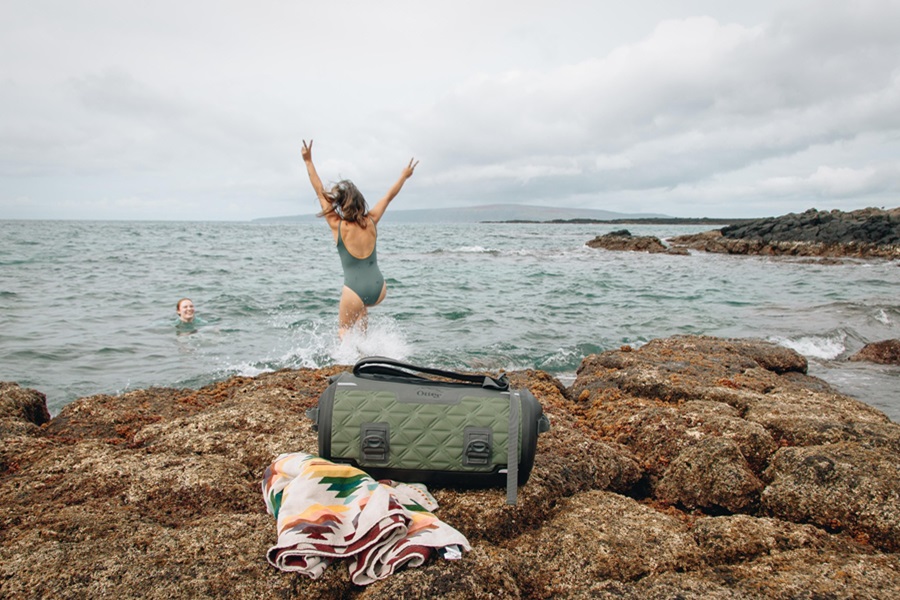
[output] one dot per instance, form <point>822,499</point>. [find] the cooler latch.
<point>477,446</point>
<point>374,441</point>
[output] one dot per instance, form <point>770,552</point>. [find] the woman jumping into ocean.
<point>355,232</point>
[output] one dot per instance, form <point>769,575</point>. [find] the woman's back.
<point>359,241</point>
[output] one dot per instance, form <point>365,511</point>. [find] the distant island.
<point>487,213</point>
<point>518,213</point>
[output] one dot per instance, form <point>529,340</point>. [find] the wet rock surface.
<point>866,233</point>
<point>886,352</point>
<point>623,240</point>
<point>692,467</point>
<point>22,410</point>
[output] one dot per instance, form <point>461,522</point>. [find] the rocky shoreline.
<point>693,467</point>
<point>866,233</point>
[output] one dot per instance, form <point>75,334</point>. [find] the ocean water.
<point>89,307</point>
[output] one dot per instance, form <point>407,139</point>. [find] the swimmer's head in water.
<point>348,202</point>
<point>185,310</point>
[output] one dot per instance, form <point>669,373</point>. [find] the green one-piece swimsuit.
<point>361,275</point>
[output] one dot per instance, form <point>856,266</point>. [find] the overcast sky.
<point>186,110</point>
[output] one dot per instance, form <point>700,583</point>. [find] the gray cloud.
<point>196,110</point>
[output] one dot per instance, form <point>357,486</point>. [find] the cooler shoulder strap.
<point>379,365</point>
<point>512,447</point>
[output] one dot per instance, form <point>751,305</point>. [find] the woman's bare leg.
<point>351,311</point>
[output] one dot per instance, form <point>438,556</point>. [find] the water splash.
<point>883,317</point>
<point>825,347</point>
<point>383,337</point>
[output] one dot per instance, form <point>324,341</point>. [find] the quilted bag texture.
<point>450,428</point>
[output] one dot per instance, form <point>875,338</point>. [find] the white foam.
<point>822,347</point>
<point>382,338</point>
<point>248,370</point>
<point>562,357</point>
<point>474,250</point>
<point>316,344</point>
<point>312,345</point>
<point>882,317</point>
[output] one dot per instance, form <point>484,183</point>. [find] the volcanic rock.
<point>646,400</point>
<point>22,410</point>
<point>623,240</point>
<point>866,233</point>
<point>837,486</point>
<point>691,467</point>
<point>886,352</point>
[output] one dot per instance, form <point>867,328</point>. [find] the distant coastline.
<point>493,213</point>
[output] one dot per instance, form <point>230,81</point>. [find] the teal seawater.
<point>89,307</point>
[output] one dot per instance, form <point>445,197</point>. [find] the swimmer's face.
<point>186,311</point>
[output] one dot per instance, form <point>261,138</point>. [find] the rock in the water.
<point>623,240</point>
<point>886,352</point>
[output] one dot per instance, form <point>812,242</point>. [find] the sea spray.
<point>814,346</point>
<point>382,337</point>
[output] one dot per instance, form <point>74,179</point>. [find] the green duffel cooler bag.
<point>390,420</point>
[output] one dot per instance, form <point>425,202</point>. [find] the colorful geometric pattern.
<point>325,511</point>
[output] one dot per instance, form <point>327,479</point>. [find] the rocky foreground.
<point>692,467</point>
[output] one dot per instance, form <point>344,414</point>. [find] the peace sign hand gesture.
<point>408,171</point>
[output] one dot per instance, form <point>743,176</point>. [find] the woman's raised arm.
<point>378,210</point>
<point>316,181</point>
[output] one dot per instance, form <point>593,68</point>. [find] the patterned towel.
<point>326,511</point>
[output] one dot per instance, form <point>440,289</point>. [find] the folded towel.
<point>326,511</point>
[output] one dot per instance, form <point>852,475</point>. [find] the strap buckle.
<point>478,447</point>
<point>374,442</point>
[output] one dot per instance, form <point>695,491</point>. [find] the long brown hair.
<point>348,202</point>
